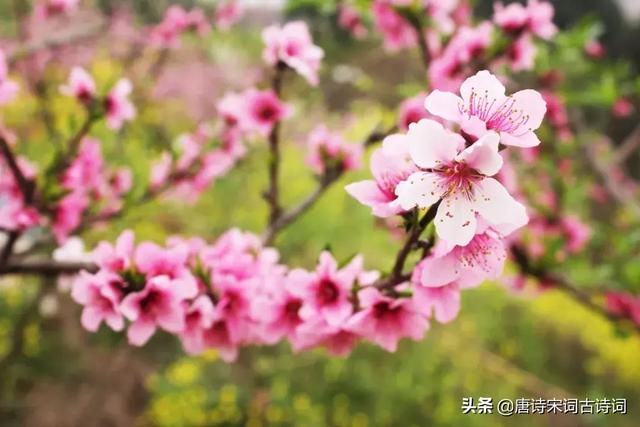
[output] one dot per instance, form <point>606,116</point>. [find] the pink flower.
<point>176,21</point>
<point>594,49</point>
<point>317,332</point>
<point>68,214</point>
<point>623,304</point>
<point>412,111</point>
<point>481,259</point>
<point>536,17</point>
<point>118,108</point>
<point>622,108</point>
<point>234,306</point>
<point>154,260</point>
<point>80,85</point>
<point>198,318</point>
<point>328,150</point>
<point>522,53</point>
<point>327,291</point>
<point>279,312</point>
<point>160,171</point>
<point>442,303</point>
<point>385,320</point>
<point>217,336</point>
<point>390,165</point>
<point>227,14</point>
<point>8,88</point>
<point>264,110</point>
<point>349,19</point>
<point>292,44</point>
<point>158,304</point>
<point>577,232</point>
<point>100,294</point>
<point>541,19</point>
<point>460,178</point>
<point>398,33</point>
<point>115,258</point>
<point>484,107</point>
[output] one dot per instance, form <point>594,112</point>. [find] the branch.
<point>272,195</point>
<point>416,23</point>
<point>46,267</point>
<point>627,147</point>
<point>560,282</point>
<point>611,184</point>
<point>287,218</point>
<point>397,276</point>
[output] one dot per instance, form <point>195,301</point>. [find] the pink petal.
<point>439,271</point>
<point>430,144</point>
<point>91,319</point>
<point>444,104</point>
<point>531,103</point>
<point>484,84</point>
<point>172,320</point>
<point>483,155</point>
<point>140,331</point>
<point>526,140</point>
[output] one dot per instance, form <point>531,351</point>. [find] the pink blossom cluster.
<point>292,45</point>
<point>623,304</point>
<point>194,165</point>
<point>328,151</point>
<point>227,14</point>
<point>252,112</point>
<point>88,183</point>
<point>453,169</point>
<point>350,20</point>
<point>177,21</point>
<point>234,292</point>
<point>115,105</point>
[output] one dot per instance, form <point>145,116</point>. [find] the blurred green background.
<point>532,344</point>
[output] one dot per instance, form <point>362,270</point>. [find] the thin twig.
<point>272,195</point>
<point>563,284</point>
<point>627,147</point>
<point>45,267</point>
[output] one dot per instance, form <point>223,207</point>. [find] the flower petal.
<point>431,144</point>
<point>444,104</point>
<point>533,105</point>
<point>496,205</point>
<point>484,84</point>
<point>526,140</point>
<point>483,155</point>
<point>421,189</point>
<point>456,220</point>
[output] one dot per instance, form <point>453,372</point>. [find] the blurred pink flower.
<point>327,150</point>
<point>292,45</point>
<point>385,320</point>
<point>397,32</point>
<point>264,110</point>
<point>118,107</point>
<point>100,294</point>
<point>349,19</point>
<point>8,88</point>
<point>622,108</point>
<point>227,14</point>
<point>80,85</point>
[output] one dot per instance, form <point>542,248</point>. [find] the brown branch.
<point>288,217</point>
<point>627,147</point>
<point>272,195</point>
<point>397,276</point>
<point>45,267</point>
<point>416,23</point>
<point>522,260</point>
<point>27,188</point>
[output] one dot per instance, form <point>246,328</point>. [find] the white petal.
<point>456,220</point>
<point>483,155</point>
<point>496,205</point>
<point>420,189</point>
<point>444,104</point>
<point>431,144</point>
